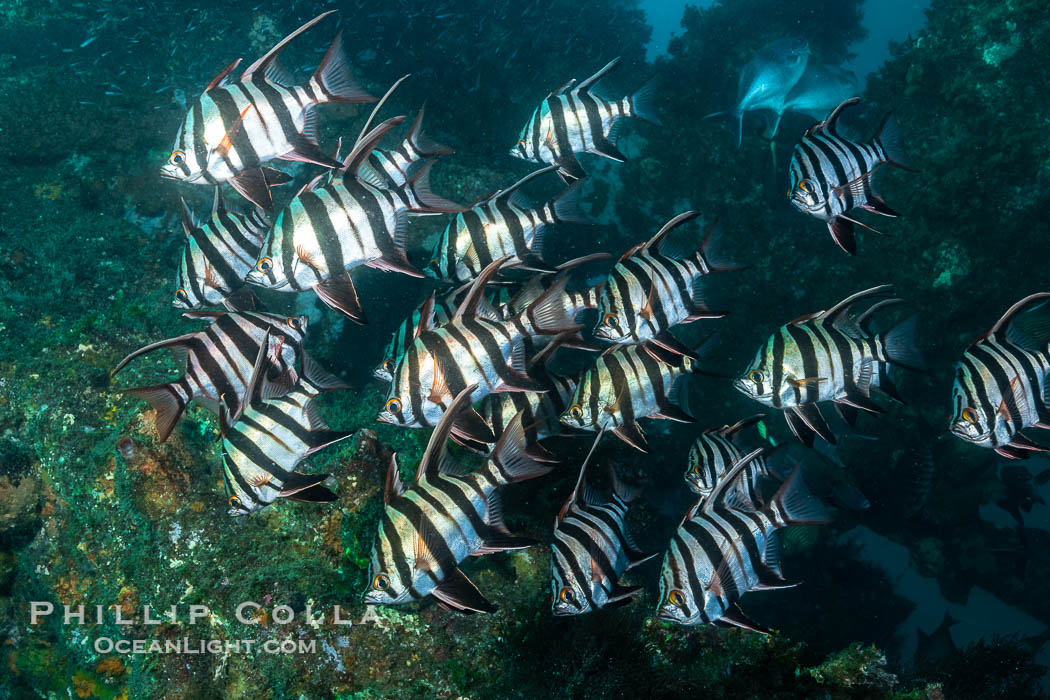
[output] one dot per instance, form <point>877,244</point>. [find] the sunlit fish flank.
<point>218,253</point>
<point>722,551</point>
<point>1002,382</point>
<point>505,224</point>
<point>218,362</point>
<point>767,79</point>
<point>655,287</point>
<point>237,125</point>
<point>446,515</point>
<point>262,447</point>
<point>626,384</point>
<point>832,175</point>
<point>539,411</point>
<point>829,355</point>
<point>573,119</point>
<point>592,548</point>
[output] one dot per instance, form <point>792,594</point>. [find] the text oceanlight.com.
<point>108,645</point>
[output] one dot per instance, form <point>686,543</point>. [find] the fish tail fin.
<point>510,461</point>
<point>421,199</point>
<point>796,505</point>
<point>642,103</point>
<point>333,81</point>
<point>888,138</point>
<point>423,144</point>
<point>167,401</point>
<point>901,347</point>
<point>566,206</point>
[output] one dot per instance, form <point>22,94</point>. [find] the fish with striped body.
<point>722,551</point>
<point>828,356</point>
<point>768,78</point>
<point>218,362</point>
<point>447,514</point>
<point>435,311</point>
<point>328,229</point>
<point>1002,382</point>
<point>715,453</point>
<point>506,223</point>
<point>628,383</point>
<point>477,347</point>
<point>276,431</point>
<point>573,119</point>
<point>649,292</point>
<point>592,549</point>
<point>236,126</point>
<point>218,254</point>
<point>539,411</point>
<point>831,174</point>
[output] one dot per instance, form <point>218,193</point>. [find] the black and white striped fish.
<point>628,383</point>
<point>433,312</point>
<point>539,411</point>
<point>235,127</point>
<point>277,430</point>
<point>592,548</point>
<point>715,453</point>
<point>831,174</point>
<point>829,355</point>
<point>446,515</point>
<point>1002,382</point>
<point>574,120</point>
<point>477,347</point>
<point>218,254</point>
<point>334,227</point>
<point>721,551</point>
<point>649,292</point>
<point>505,224</point>
<point>218,362</point>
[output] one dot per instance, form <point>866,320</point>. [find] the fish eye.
<point>576,412</point>
<point>567,595</point>
<point>394,405</point>
<point>756,376</point>
<point>295,323</point>
<point>264,265</point>
<point>181,295</point>
<point>235,503</point>
<point>177,157</point>
<point>387,365</point>
<point>676,598</point>
<point>609,320</point>
<point>381,582</point>
<point>806,186</point>
<point>521,143</point>
<point>969,415</point>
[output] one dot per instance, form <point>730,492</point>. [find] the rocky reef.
<point>94,511</point>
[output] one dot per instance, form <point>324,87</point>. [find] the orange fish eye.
<point>181,295</point>
<point>264,265</point>
<point>567,595</point>
<point>381,582</point>
<point>235,503</point>
<point>756,376</point>
<point>806,186</point>
<point>394,405</point>
<point>576,412</point>
<point>294,322</point>
<point>609,319</point>
<point>676,598</point>
<point>969,415</point>
<point>387,365</point>
<point>177,157</point>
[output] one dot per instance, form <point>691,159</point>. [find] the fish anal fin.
<point>459,593</point>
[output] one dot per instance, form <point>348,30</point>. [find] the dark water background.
<point>945,572</point>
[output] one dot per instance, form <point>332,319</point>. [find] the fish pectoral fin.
<point>339,293</point>
<point>459,593</point>
<point>424,559</point>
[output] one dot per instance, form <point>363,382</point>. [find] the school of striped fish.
<point>473,363</point>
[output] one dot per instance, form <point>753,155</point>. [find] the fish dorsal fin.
<point>718,495</point>
<point>586,84</point>
<point>255,380</point>
<point>804,317</point>
<point>568,84</point>
<point>430,465</point>
<point>394,487</point>
<point>469,305</point>
<point>578,489</point>
<point>189,221</point>
<point>218,204</point>
<point>364,145</point>
<point>838,313</point>
<point>505,193</point>
<point>426,317</point>
<point>262,63</point>
<point>831,123</point>
<point>379,105</point>
<point>654,242</point>
<point>223,77</point>
<point>578,262</point>
<point>730,431</point>
<point>1013,311</point>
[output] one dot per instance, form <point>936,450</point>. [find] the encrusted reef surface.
<point>94,511</point>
